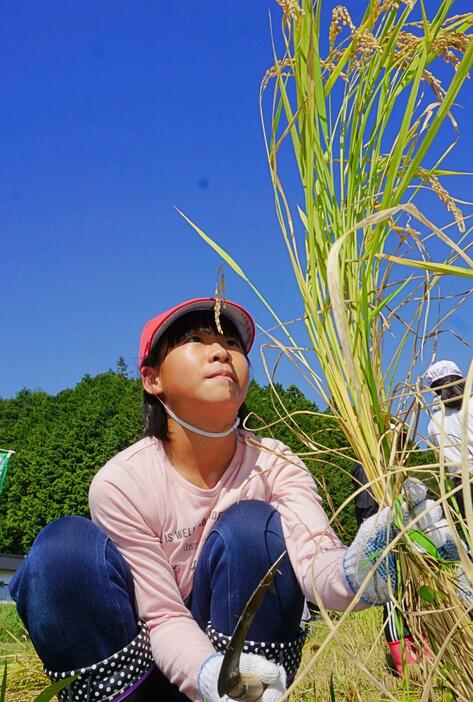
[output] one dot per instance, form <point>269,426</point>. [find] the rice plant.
<point>22,668</point>
<point>352,117</point>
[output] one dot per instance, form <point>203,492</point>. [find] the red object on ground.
<point>411,654</point>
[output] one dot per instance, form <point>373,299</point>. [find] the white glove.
<point>464,587</point>
<point>433,524</point>
<point>377,531</point>
<point>270,674</point>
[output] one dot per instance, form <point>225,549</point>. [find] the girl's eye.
<point>195,338</point>
<point>234,343</point>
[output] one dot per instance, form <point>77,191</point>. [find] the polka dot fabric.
<point>110,678</point>
<point>285,653</point>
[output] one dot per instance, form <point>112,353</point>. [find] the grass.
<point>25,677</point>
<point>11,627</point>
<point>336,674</point>
<point>354,135</point>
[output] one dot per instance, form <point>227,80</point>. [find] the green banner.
<point>4,460</point>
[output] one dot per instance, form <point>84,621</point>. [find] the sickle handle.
<point>248,689</point>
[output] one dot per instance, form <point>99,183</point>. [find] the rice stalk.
<point>354,170</point>
<point>325,219</point>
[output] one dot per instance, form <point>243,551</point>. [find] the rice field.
<point>336,675</point>
<point>25,678</point>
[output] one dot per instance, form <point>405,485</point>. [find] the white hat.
<point>440,370</point>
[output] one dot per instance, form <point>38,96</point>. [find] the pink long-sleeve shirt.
<point>159,522</point>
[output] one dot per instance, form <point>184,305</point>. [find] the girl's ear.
<point>150,380</point>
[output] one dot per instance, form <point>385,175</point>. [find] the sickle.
<point>246,688</point>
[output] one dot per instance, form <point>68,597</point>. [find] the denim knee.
<point>247,517</point>
<point>74,594</point>
<point>251,530</point>
<point>245,541</point>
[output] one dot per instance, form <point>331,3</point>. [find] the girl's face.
<point>203,378</point>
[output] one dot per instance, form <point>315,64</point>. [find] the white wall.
<point>5,577</point>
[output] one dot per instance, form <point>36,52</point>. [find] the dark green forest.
<point>62,440</point>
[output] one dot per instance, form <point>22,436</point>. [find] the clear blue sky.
<point>112,114</point>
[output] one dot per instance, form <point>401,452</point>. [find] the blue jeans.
<point>75,592</point>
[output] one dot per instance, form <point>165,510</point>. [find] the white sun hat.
<point>441,369</point>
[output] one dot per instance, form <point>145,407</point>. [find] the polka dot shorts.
<point>109,679</point>
<point>286,653</point>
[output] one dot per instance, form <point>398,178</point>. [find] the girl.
<point>141,602</point>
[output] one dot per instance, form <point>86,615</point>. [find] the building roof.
<point>8,561</point>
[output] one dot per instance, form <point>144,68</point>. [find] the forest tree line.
<point>61,441</point>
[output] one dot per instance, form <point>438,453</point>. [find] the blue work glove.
<point>379,530</point>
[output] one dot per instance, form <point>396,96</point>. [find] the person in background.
<point>445,428</point>
<point>140,603</point>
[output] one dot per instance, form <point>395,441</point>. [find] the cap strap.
<point>196,430</point>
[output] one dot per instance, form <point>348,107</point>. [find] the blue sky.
<point>112,115</point>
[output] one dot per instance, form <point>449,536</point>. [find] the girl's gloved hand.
<point>377,531</point>
<point>270,674</point>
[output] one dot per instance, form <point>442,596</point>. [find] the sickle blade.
<point>230,679</point>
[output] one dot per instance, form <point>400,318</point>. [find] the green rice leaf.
<point>51,691</point>
<point>440,268</point>
<point>3,687</point>
<point>422,540</point>
<point>398,510</point>
<point>332,689</point>
<point>431,596</point>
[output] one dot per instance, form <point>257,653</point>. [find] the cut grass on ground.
<point>335,676</point>
<point>25,674</point>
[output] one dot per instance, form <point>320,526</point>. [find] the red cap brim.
<point>155,328</point>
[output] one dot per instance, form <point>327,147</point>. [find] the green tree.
<point>122,367</point>
<point>60,443</point>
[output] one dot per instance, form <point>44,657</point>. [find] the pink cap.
<point>155,328</point>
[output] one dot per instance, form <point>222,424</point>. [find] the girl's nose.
<point>217,352</point>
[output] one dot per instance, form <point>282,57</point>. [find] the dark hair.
<point>155,419</point>
<point>452,396</point>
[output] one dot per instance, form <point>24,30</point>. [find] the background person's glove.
<point>270,674</point>
<point>432,523</point>
<point>379,530</point>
